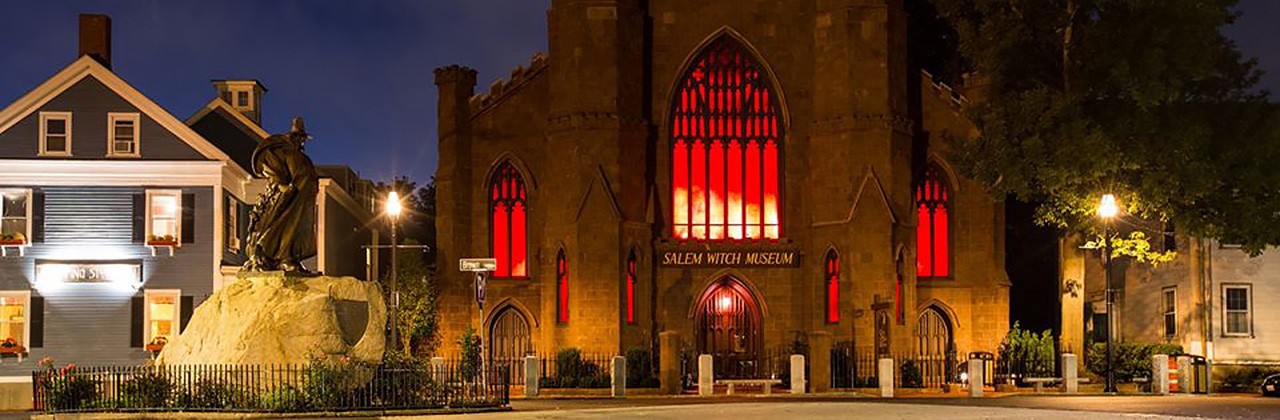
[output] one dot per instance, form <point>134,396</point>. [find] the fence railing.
<point>278,388</point>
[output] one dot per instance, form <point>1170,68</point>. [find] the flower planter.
<point>155,348</point>
<point>11,242</point>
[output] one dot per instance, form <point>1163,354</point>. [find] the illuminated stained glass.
<point>832,276</point>
<point>508,213</point>
<point>933,246</point>
<point>631,288</point>
<point>562,288</point>
<point>726,165</point>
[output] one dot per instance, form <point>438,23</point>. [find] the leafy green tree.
<point>416,269</point>
<point>1144,99</point>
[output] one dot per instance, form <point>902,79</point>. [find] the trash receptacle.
<point>1199,375</point>
<point>988,365</point>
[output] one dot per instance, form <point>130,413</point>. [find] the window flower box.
<point>11,348</point>
<point>157,344</point>
<point>166,240</point>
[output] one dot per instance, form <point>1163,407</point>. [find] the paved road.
<point>808,410</point>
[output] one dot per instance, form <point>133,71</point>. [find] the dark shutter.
<point>188,305</point>
<point>37,323</point>
<point>139,217</point>
<point>188,218</point>
<point>1170,238</point>
<point>37,216</point>
<point>135,323</point>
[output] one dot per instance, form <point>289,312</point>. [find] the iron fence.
<point>268,388</point>
<point>851,368</point>
<point>575,370</point>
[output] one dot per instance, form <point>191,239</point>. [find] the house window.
<point>508,212</point>
<point>14,312</point>
<point>562,288</point>
<point>933,249</point>
<point>122,134</point>
<point>1238,310</point>
<point>164,217</point>
<point>726,149</point>
<point>1170,303</point>
<point>55,134</point>
<point>631,288</point>
<point>832,277</point>
<point>161,315</point>
<point>15,216</point>
<point>242,99</point>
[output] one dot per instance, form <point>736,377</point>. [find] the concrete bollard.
<point>1186,378</point>
<point>706,375</point>
<point>884,371</point>
<point>797,374</point>
<point>619,376</point>
<point>1070,374</point>
<point>531,375</point>
<point>976,379</point>
<point>1160,374</point>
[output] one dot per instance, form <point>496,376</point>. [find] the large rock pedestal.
<point>270,317</point>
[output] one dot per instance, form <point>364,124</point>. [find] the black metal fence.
<point>858,369</point>
<point>276,388</point>
<point>581,370</point>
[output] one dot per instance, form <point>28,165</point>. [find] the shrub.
<point>147,389</point>
<point>911,377</point>
<point>469,366</point>
<point>404,381</point>
<point>641,368</point>
<point>1133,360</point>
<point>1027,354</point>
<point>67,389</point>
<point>1245,379</point>
<point>574,372</point>
<point>284,399</point>
<point>322,383</point>
<point>211,393</point>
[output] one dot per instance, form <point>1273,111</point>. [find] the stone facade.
<point>588,128</point>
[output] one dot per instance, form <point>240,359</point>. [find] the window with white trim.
<point>1237,308</point>
<point>15,309</point>
<point>242,98</point>
<point>55,134</point>
<point>1169,299</point>
<point>15,217</point>
<point>122,134</point>
<point>161,314</point>
<point>164,217</point>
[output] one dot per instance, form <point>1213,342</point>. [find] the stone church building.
<point>740,173</point>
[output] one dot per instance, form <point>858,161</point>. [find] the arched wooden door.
<point>936,346</point>
<point>728,325</point>
<point>509,336</point>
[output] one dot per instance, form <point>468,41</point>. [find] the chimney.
<point>244,95</point>
<point>95,37</point>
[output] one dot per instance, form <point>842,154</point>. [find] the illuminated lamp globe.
<point>393,204</point>
<point>1107,208</point>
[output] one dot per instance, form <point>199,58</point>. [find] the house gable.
<point>228,130</point>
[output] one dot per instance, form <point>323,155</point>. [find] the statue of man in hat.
<point>281,232</point>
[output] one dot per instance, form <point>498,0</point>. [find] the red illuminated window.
<point>508,214</point>
<point>631,288</point>
<point>832,276</point>
<point>562,288</point>
<point>933,246</point>
<point>726,149</point>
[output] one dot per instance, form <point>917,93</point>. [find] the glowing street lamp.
<point>1107,210</point>
<point>393,208</point>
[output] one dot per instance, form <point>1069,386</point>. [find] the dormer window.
<point>122,134</point>
<point>242,99</point>
<point>55,134</point>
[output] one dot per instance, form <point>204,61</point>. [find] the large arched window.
<point>508,215</point>
<point>562,288</point>
<point>631,288</point>
<point>726,148</point>
<point>933,246</point>
<point>832,277</point>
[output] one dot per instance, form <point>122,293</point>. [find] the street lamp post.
<point>393,212</point>
<point>1107,210</point>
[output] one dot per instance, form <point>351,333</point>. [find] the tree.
<point>1144,99</point>
<point>418,316</point>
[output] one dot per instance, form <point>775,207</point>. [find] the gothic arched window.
<point>508,215</point>
<point>726,158</point>
<point>631,288</point>
<point>562,288</point>
<point>933,246</point>
<point>832,277</point>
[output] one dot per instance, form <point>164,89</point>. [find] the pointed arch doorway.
<point>936,345</point>
<point>727,322</point>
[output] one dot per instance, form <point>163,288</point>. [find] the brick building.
<point>735,172</point>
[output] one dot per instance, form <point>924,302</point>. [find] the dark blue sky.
<point>358,71</point>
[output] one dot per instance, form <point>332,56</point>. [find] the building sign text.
<point>703,258</point>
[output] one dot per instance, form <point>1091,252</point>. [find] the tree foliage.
<point>1144,99</point>
<point>418,317</point>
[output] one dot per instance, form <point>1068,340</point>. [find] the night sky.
<point>358,71</point>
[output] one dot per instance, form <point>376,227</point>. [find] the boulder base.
<point>271,317</point>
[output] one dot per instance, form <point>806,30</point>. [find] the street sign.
<point>478,264</point>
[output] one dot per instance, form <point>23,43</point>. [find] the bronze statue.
<point>281,225</point>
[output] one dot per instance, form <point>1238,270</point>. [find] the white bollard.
<point>531,375</point>
<point>1070,374</point>
<point>619,376</point>
<point>797,374</point>
<point>1186,377</point>
<point>976,381</point>
<point>884,372</point>
<point>706,375</point>
<point>1160,374</point>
